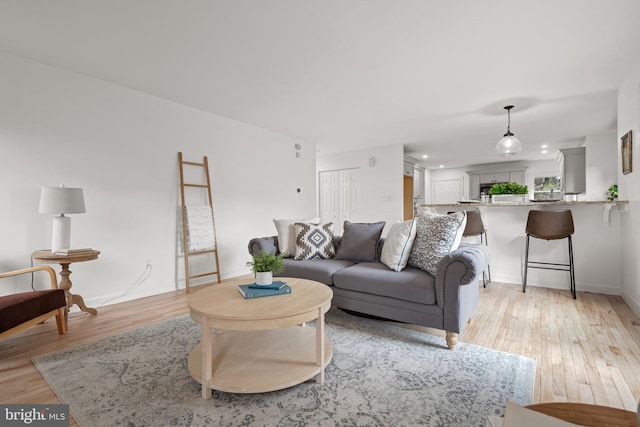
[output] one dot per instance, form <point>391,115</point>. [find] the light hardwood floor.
<point>587,350</point>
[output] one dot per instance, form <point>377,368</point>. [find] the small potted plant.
<point>264,265</point>
<point>612,193</point>
<point>508,192</point>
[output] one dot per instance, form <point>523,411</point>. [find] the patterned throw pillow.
<point>436,236</point>
<point>314,241</point>
<point>286,229</point>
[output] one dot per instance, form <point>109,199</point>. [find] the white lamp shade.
<point>61,200</point>
<point>508,146</point>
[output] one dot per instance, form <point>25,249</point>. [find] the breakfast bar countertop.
<point>597,249</point>
<point>536,203</point>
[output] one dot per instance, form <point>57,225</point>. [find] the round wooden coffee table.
<point>261,344</point>
<point>587,415</point>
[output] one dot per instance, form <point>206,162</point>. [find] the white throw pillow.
<point>397,245</point>
<point>287,233</point>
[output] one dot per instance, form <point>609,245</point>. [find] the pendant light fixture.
<point>509,145</point>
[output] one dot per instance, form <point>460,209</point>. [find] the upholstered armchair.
<point>20,310</point>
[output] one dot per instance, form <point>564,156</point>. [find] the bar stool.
<point>550,225</point>
<point>475,227</point>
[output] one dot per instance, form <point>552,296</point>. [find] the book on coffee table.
<point>252,292</point>
<point>278,284</point>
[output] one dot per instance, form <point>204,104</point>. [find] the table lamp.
<point>60,201</point>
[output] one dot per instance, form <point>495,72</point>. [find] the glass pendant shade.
<point>509,145</point>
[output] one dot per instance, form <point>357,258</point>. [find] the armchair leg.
<point>452,340</point>
<point>61,321</point>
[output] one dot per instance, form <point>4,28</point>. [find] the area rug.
<point>381,375</point>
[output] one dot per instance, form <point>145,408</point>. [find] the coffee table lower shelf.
<point>261,361</point>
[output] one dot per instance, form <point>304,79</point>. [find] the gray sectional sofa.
<point>446,301</point>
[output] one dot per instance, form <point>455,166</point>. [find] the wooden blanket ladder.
<point>198,224</point>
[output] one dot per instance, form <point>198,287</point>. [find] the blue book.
<point>279,284</point>
<point>247,292</point>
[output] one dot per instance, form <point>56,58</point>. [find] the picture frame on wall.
<point>627,151</point>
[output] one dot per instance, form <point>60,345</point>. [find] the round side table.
<point>48,257</point>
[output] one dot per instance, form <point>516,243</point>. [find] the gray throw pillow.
<point>436,236</point>
<point>360,241</point>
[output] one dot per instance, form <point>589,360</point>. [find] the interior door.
<point>339,197</point>
<point>329,196</point>
<point>447,191</point>
<point>407,199</point>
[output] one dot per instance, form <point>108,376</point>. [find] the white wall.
<point>383,179</point>
<point>121,146</point>
<point>629,187</point>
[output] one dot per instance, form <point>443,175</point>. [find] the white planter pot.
<point>509,198</point>
<point>264,278</point>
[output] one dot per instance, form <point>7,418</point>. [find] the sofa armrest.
<point>456,271</point>
<point>267,244</point>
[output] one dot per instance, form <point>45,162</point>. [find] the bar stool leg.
<point>486,242</point>
<point>526,265</point>
<point>484,273</point>
<point>571,269</point>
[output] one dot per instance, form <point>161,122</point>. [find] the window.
<point>547,188</point>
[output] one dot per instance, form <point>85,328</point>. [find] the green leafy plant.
<point>508,188</point>
<point>264,262</point>
<point>612,192</point>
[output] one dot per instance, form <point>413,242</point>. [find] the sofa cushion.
<point>436,236</point>
<point>397,245</point>
<point>314,241</point>
<point>287,233</point>
<point>360,241</point>
<point>410,284</point>
<point>319,270</point>
<point>16,309</point>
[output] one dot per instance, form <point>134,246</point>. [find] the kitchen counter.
<point>472,203</point>
<point>596,243</point>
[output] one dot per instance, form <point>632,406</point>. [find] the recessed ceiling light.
<point>441,166</point>
<point>544,151</point>
<point>424,156</point>
<point>544,146</point>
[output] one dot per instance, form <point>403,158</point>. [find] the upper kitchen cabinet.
<point>519,177</point>
<point>418,185</point>
<point>480,181</point>
<point>574,177</point>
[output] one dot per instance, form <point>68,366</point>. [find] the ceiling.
<point>351,74</point>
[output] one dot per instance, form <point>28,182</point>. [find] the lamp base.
<point>61,237</point>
